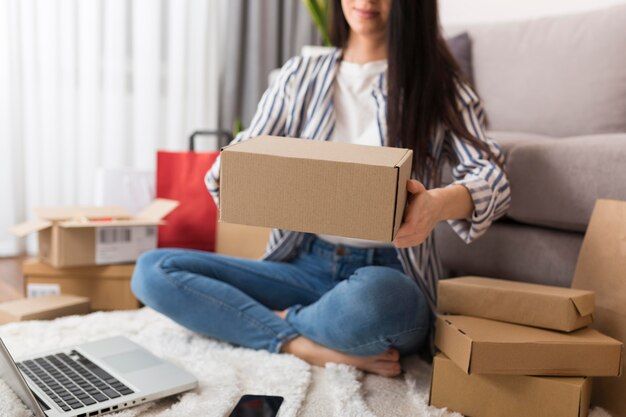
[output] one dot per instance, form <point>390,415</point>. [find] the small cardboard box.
<point>602,268</point>
<point>43,308</point>
<point>481,346</point>
<point>506,395</point>
<point>536,305</point>
<point>108,287</point>
<point>315,186</point>
<point>76,236</point>
<point>241,241</point>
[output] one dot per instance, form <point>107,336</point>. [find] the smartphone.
<point>257,406</point>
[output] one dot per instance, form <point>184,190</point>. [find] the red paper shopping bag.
<point>180,176</point>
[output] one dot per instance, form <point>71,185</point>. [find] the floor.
<point>11,282</point>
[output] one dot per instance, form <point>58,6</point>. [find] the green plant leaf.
<point>237,126</point>
<point>317,9</point>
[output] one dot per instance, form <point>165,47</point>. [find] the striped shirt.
<point>299,104</point>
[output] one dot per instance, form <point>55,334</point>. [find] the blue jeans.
<point>353,300</point>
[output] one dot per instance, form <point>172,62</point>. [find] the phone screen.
<point>257,406</point>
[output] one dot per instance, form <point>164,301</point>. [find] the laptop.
<point>92,379</point>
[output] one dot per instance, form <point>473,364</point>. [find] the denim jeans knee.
<point>147,282</point>
<point>375,308</point>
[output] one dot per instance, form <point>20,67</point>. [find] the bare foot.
<point>281,314</point>
<point>385,364</point>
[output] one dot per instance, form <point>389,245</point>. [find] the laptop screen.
<point>14,379</point>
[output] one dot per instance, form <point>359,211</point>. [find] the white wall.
<point>455,12</point>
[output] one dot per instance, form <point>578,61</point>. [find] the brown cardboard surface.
<point>506,395</point>
<point>73,224</point>
<point>536,305</point>
<point>241,241</point>
<point>65,213</point>
<point>482,346</point>
<point>68,235</point>
<point>315,186</point>
<point>26,228</point>
<point>601,268</point>
<point>43,308</point>
<point>108,286</point>
<point>157,210</point>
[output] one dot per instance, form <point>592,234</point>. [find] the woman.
<point>391,81</point>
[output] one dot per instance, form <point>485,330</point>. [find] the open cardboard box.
<point>315,186</point>
<point>601,268</point>
<point>78,236</point>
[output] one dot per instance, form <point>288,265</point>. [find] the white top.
<point>355,120</point>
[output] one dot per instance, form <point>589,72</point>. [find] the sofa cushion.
<point>512,251</point>
<point>461,48</point>
<point>506,140</point>
<point>555,182</point>
<point>558,76</point>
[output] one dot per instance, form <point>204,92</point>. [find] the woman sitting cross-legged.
<point>390,81</point>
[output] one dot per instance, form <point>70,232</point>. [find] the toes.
<point>391,370</point>
<point>394,354</point>
<point>390,354</point>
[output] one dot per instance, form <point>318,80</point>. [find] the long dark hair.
<point>423,79</point>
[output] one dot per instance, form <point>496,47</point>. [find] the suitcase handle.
<point>223,137</point>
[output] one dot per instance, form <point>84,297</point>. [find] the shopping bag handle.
<point>223,137</point>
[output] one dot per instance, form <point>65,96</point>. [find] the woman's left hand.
<point>420,216</point>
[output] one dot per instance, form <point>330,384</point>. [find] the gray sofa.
<point>554,90</point>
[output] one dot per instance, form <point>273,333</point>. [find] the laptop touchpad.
<point>134,360</point>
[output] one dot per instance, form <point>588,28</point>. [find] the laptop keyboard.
<point>73,381</point>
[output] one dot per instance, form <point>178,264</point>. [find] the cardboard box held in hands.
<point>536,305</point>
<point>601,268</point>
<point>506,395</point>
<point>315,186</point>
<point>241,241</point>
<point>78,236</point>
<point>481,346</point>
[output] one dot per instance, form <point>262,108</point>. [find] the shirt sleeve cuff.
<point>475,226</point>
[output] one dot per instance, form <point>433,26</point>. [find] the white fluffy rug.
<point>225,373</point>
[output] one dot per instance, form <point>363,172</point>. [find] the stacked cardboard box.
<point>518,349</point>
<point>89,251</point>
<point>107,286</point>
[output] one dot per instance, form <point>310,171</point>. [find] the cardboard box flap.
<point>584,304</point>
<point>26,228</point>
<point>157,210</point>
<point>67,213</point>
<point>458,341</point>
<point>75,224</point>
<point>321,150</point>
